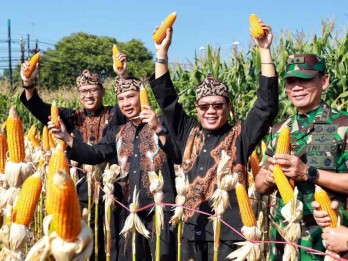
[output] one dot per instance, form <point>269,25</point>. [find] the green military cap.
<point>304,66</point>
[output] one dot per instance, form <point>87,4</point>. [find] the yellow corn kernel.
<point>283,143</point>
<point>245,209</point>
<point>161,33</point>
<point>144,98</point>
<point>66,219</point>
<point>51,140</point>
<point>115,52</point>
<point>255,27</point>
<point>23,211</point>
<point>15,137</point>
<point>55,114</point>
<point>32,136</point>
<point>323,199</point>
<point>32,65</point>
<point>45,139</point>
<point>3,151</point>
<point>285,189</point>
<point>254,163</point>
<point>57,162</point>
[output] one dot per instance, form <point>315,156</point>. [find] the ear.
<point>325,81</point>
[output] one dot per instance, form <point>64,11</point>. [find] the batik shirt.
<point>202,151</point>
<point>320,139</point>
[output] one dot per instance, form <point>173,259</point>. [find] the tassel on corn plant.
<point>161,33</point>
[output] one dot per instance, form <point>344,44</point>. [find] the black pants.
<point>146,248</point>
<point>204,250</point>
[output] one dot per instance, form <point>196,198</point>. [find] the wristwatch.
<point>312,174</point>
<point>161,60</point>
<point>163,131</point>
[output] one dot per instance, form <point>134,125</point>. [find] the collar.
<point>224,129</point>
<point>95,114</point>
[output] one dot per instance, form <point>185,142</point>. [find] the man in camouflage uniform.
<point>319,151</point>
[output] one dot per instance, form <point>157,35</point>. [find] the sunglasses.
<point>216,106</point>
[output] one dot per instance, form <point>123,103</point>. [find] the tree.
<point>60,66</point>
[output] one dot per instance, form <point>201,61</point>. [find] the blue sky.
<point>199,23</point>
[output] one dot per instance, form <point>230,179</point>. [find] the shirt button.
<point>204,150</point>
<point>134,171</point>
<point>135,155</point>
<point>208,135</point>
<point>137,137</point>
<point>201,168</point>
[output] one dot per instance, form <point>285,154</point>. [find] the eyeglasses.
<point>84,92</point>
<point>216,106</point>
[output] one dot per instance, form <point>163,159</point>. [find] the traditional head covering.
<point>304,66</point>
<point>211,86</point>
<point>87,78</point>
<point>126,84</point>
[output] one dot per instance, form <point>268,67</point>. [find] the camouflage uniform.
<point>319,138</point>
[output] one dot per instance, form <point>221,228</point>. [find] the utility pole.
<point>28,46</point>
<point>22,50</point>
<point>9,50</point>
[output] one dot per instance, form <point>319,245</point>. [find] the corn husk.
<point>16,173</point>
<point>292,213</point>
<point>133,222</point>
<point>14,238</point>
<point>51,245</point>
<point>248,250</point>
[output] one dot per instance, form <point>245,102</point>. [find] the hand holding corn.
<point>120,63</point>
<point>60,133</point>
<point>262,40</point>
<point>29,69</point>
<point>336,238</point>
<point>320,215</point>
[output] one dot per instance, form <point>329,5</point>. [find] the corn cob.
<point>66,219</point>
<point>285,189</point>
<point>15,137</point>
<point>283,143</point>
<point>32,65</point>
<point>45,139</point>
<point>246,211</point>
<point>51,140</point>
<point>255,27</point>
<point>144,98</point>
<point>160,34</point>
<point>55,114</point>
<point>254,163</point>
<point>115,52</point>
<point>57,162</point>
<point>32,136</point>
<point>23,211</point>
<point>323,199</point>
<point>3,126</point>
<point>3,151</point>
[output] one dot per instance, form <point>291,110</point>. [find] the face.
<point>213,111</point>
<point>91,97</point>
<point>129,103</point>
<point>305,94</point>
